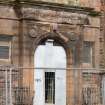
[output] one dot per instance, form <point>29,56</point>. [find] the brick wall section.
<point>91,3</point>
<point>102,35</point>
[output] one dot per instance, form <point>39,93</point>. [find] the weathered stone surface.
<point>35,29</point>
<point>54,16</point>
<point>69,28</point>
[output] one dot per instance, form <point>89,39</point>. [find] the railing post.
<point>10,81</point>
<point>6,86</point>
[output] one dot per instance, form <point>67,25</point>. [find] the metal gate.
<point>8,82</point>
<point>92,88</point>
<point>12,93</point>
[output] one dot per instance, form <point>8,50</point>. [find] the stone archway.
<point>64,44</point>
<point>60,40</point>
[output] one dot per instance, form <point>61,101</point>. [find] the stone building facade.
<point>75,25</point>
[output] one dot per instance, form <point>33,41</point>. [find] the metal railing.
<point>16,85</point>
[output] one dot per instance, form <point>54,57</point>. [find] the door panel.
<point>60,84</point>
<point>60,88</point>
<point>38,77</point>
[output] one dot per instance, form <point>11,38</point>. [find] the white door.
<point>50,56</point>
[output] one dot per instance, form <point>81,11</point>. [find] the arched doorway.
<point>50,74</point>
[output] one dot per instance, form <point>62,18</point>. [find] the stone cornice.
<point>53,6</point>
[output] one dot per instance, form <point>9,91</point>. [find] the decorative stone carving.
<point>54,16</point>
<point>73,37</point>
<point>35,29</point>
<point>67,34</point>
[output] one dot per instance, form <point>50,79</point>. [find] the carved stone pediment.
<point>36,29</point>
